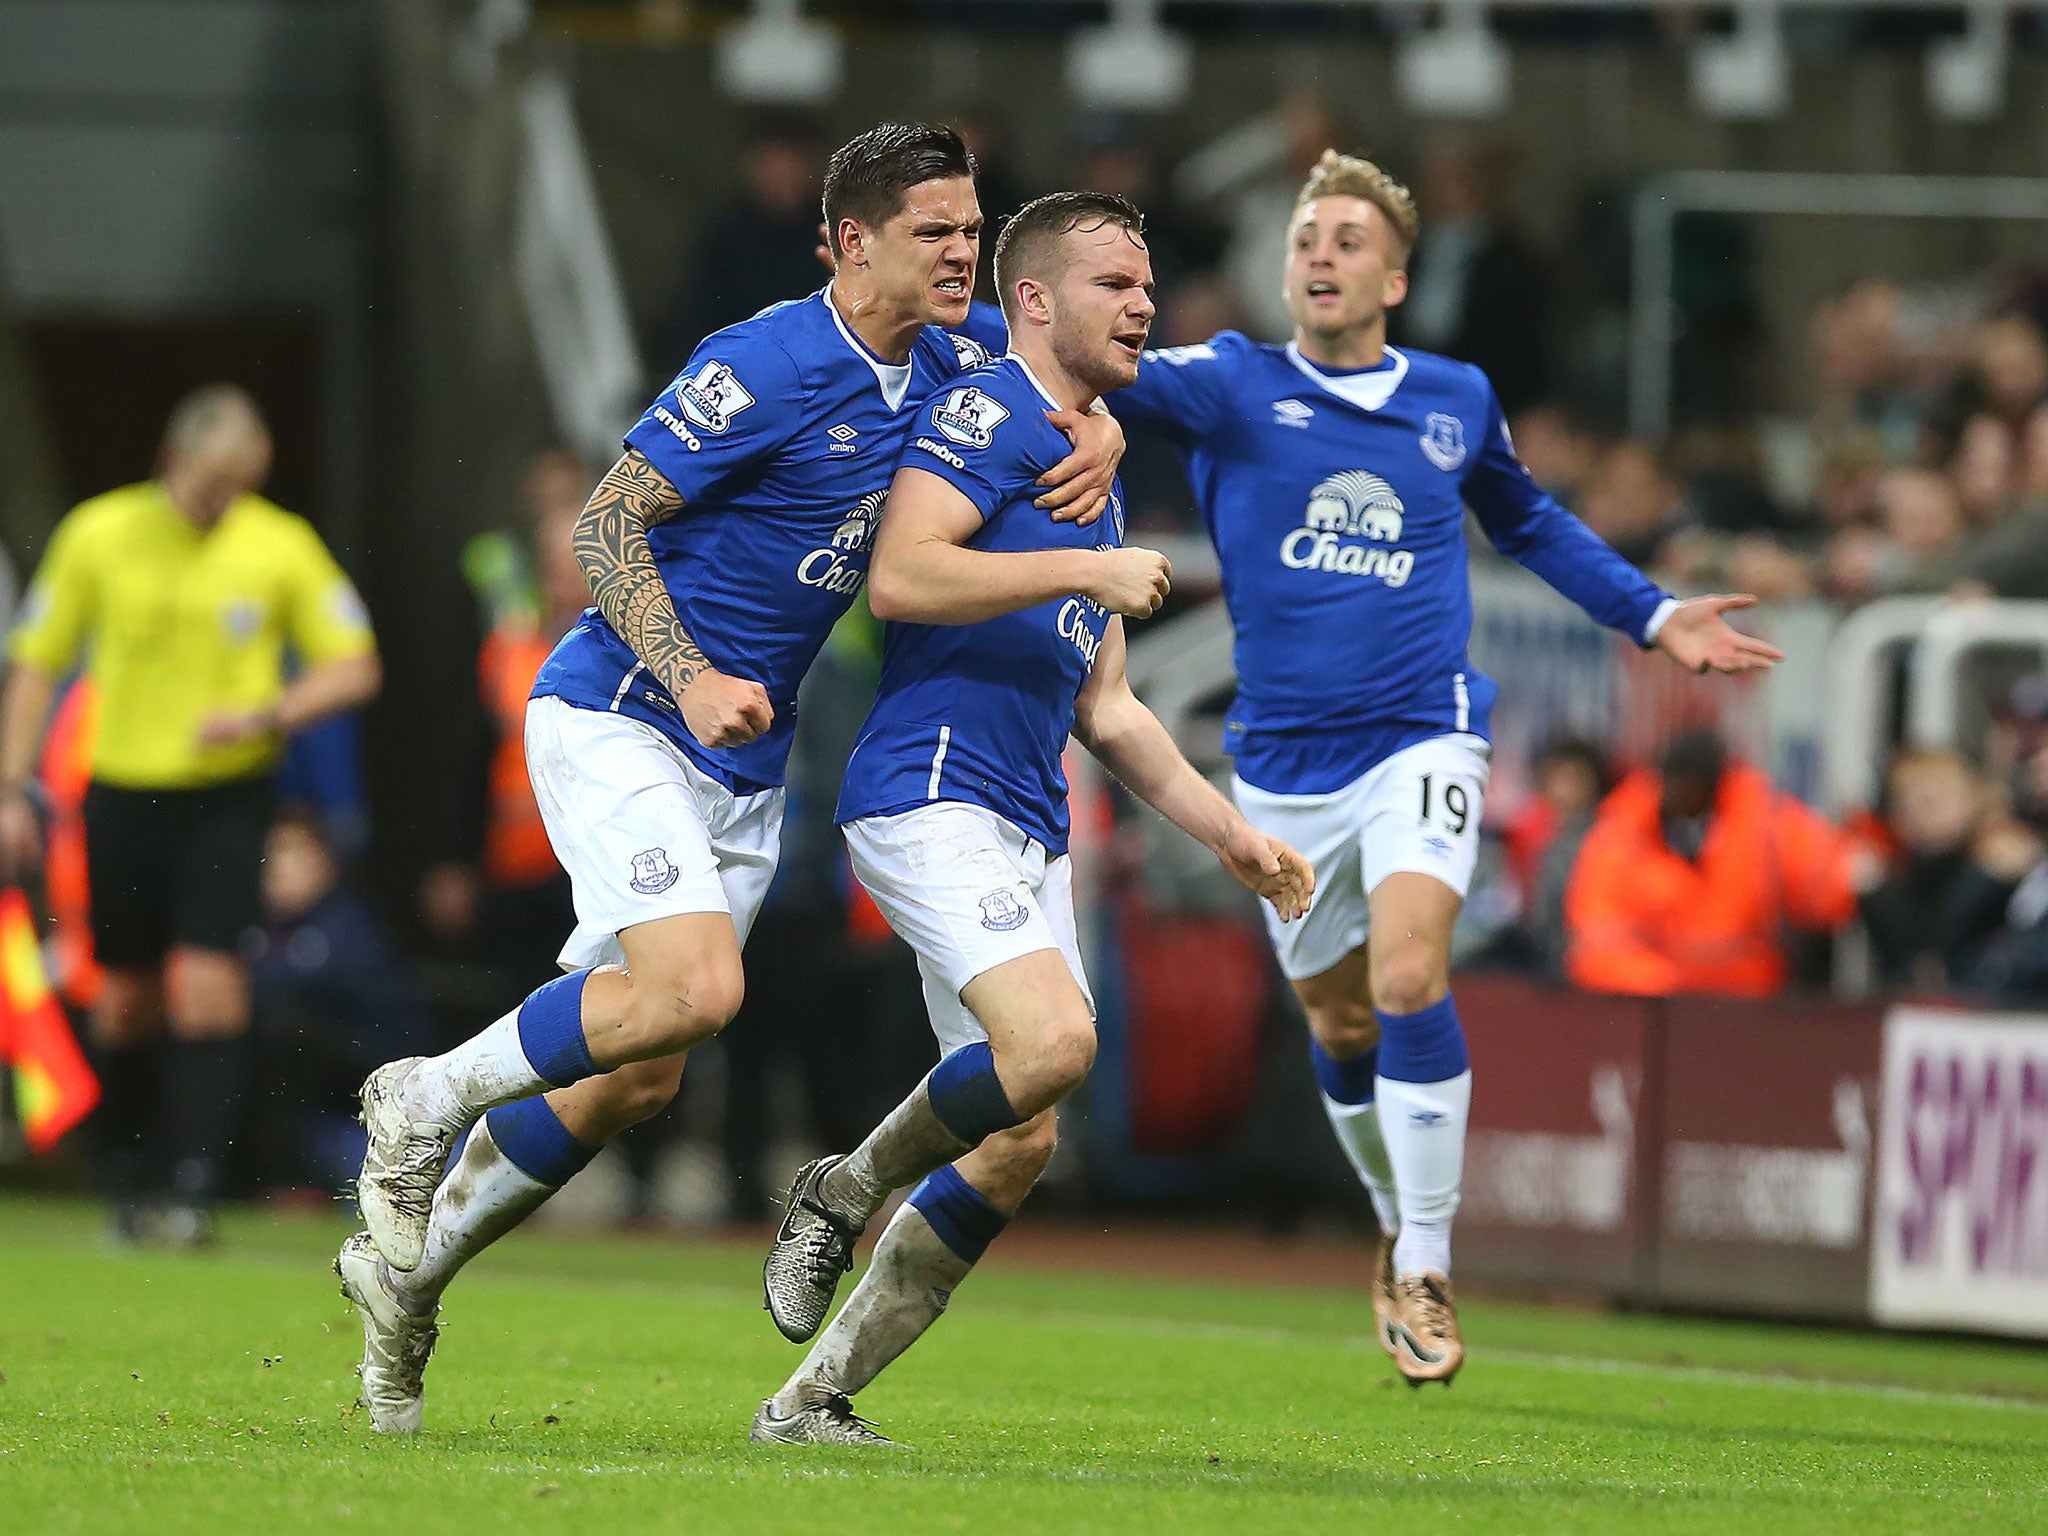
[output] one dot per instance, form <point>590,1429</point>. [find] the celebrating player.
<point>721,550</point>
<point>1334,473</point>
<point>1005,637</point>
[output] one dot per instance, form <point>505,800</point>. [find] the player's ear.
<point>1034,300</point>
<point>1395,287</point>
<point>851,246</point>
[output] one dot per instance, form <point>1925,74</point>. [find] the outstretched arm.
<point>1129,741</point>
<point>1525,523</point>
<point>923,571</point>
<point>612,548</point>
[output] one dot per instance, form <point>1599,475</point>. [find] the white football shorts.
<point>968,891</point>
<point>643,832</point>
<point>1417,812</point>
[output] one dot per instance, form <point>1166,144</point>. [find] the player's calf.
<point>929,1247</point>
<point>682,982</point>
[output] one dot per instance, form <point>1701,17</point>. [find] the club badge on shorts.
<point>653,872</point>
<point>1002,912</point>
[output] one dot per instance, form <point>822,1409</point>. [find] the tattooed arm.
<point>612,548</point>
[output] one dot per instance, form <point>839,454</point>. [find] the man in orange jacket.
<point>1692,872</point>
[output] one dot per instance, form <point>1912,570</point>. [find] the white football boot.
<point>402,1167</point>
<point>396,1343</point>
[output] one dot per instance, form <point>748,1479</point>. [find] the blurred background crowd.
<point>1863,419</point>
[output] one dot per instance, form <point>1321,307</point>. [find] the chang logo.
<point>1355,504</point>
<point>842,567</point>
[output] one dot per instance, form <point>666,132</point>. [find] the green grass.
<point>592,1386</point>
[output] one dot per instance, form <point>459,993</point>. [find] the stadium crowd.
<point>1918,464</point>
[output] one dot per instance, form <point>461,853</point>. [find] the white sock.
<point>908,1283</point>
<point>1358,1133</point>
<point>1423,1125</point>
<point>485,1196</point>
<point>488,1069</point>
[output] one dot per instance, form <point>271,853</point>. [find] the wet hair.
<point>1336,175</point>
<point>867,176</point>
<point>1030,243</point>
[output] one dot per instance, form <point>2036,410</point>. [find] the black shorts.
<point>174,867</point>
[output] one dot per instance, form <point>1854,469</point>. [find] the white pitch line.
<point>1581,1364</point>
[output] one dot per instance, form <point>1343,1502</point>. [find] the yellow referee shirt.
<point>177,625</point>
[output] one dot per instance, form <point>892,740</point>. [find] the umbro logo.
<point>1428,1117</point>
<point>842,438</point>
<point>1291,413</point>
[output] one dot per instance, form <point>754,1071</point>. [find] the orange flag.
<point>54,1088</point>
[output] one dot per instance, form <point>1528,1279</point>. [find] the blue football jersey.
<point>1337,501</point>
<point>781,434</point>
<point>981,712</point>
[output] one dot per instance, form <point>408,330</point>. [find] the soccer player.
<point>721,549</point>
<point>1334,473</point>
<point>1005,636</point>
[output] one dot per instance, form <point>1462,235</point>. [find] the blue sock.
<point>551,1031</point>
<point>1344,1082</point>
<point>1423,1047</point>
<point>968,1097</point>
<point>958,1212</point>
<point>533,1138</point>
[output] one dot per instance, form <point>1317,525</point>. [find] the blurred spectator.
<point>2011,966</point>
<point>1859,369</point>
<point>1558,451</point>
<point>2001,462</point>
<point>998,187</point>
<point>761,248</point>
<point>1198,309</point>
<point>1919,521</point>
<point>497,892</point>
<point>1633,502</point>
<point>1946,891</point>
<point>332,999</point>
<point>1112,155</point>
<point>1476,291</point>
<point>1251,177</point>
<point>1689,875</point>
<point>1544,837</point>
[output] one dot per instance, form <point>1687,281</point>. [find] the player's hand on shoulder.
<point>1269,868</point>
<point>724,711</point>
<point>1077,488</point>
<point>1132,581</point>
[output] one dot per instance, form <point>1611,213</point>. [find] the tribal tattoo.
<point>612,548</point>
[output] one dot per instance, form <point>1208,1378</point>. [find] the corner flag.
<point>54,1088</point>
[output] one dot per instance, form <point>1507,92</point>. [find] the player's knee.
<point>640,1091</point>
<point>681,1013</point>
<point>1344,1028</point>
<point>1065,1054</point>
<point>1408,979</point>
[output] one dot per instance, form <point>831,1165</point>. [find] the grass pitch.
<point>592,1386</point>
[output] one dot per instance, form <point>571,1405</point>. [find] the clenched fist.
<point>725,711</point>
<point>1132,582</point>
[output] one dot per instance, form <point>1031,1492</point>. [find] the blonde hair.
<point>1336,175</point>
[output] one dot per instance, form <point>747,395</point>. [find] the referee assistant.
<point>181,598</point>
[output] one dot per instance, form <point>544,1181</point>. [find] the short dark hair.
<point>1032,237</point>
<point>868,175</point>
